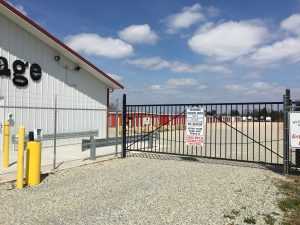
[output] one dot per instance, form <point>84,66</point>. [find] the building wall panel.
<point>74,89</point>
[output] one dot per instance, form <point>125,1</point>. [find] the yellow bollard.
<point>33,163</point>
<point>20,166</point>
<point>6,135</point>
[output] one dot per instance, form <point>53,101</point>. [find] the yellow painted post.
<point>20,166</point>
<point>6,135</point>
<point>34,163</point>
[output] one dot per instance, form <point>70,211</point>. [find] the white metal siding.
<point>73,89</point>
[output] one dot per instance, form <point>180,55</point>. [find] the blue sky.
<point>167,51</point>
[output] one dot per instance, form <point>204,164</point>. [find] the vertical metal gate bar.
<point>172,124</point>
<point>210,129</point>
<point>148,116</point>
<point>163,124</point>
<point>179,127</point>
<point>221,122</point>
<point>187,146</point>
<point>226,117</point>
<point>124,128</point>
<point>168,127</point>
<point>183,135</point>
<point>253,145</point>
<point>138,139</point>
<point>145,122</point>
<point>205,139</point>
<point>135,118</point>
<point>130,110</point>
<point>154,128</point>
<point>259,132</point>
<point>278,132</point>
<point>286,102</point>
<point>271,115</point>
<point>265,114</point>
<point>201,146</point>
<point>242,136</point>
<point>236,129</point>
<point>160,123</point>
<point>215,127</point>
<point>231,131</point>
<point>247,131</point>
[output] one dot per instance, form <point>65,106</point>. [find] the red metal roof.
<point>41,29</point>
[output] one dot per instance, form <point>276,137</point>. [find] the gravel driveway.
<point>146,191</point>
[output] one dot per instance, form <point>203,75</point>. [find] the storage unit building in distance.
<point>36,68</point>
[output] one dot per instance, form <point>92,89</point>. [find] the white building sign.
<point>195,120</point>
<point>295,130</point>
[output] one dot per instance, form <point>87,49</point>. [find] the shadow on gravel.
<point>275,168</point>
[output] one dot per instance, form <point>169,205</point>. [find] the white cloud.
<point>137,34</point>
<point>157,63</point>
<point>179,67</point>
<point>229,40</point>
<point>19,8</point>
<point>94,44</point>
<point>181,82</point>
<point>286,50</point>
<point>155,87</point>
<point>235,87</point>
<point>186,18</point>
<point>176,85</point>
<point>255,88</point>
<point>291,24</point>
<point>153,63</point>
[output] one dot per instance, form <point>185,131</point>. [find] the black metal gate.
<point>249,131</point>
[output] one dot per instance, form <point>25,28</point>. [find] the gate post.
<point>124,127</point>
<point>286,109</point>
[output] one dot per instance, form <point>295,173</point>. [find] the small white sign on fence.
<point>146,121</point>
<point>294,129</point>
<point>195,120</point>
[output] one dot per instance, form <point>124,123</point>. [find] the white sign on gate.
<point>195,120</point>
<point>146,121</point>
<point>294,129</point>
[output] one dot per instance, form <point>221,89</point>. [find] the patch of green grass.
<point>250,220</point>
<point>290,204</point>
<point>270,220</point>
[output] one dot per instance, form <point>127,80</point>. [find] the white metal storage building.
<point>35,67</point>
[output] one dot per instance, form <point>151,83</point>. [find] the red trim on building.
<point>41,29</point>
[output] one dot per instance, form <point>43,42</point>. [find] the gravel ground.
<point>145,191</point>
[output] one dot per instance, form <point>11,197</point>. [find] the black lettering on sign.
<point>35,72</point>
<point>4,70</point>
<point>19,69</point>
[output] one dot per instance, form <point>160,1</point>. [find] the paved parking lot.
<point>146,189</point>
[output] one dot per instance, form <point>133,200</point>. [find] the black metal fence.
<point>248,131</point>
